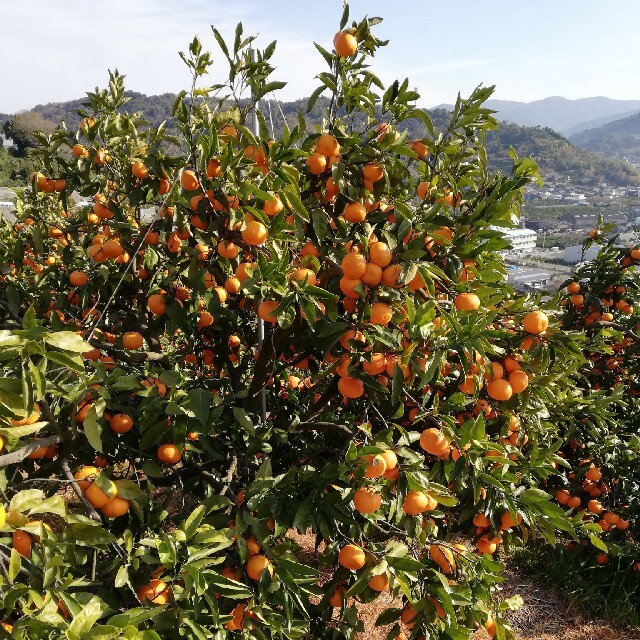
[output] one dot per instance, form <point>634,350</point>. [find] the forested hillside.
<point>554,153</point>
<point>618,139</point>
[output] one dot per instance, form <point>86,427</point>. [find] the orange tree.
<point>603,480</point>
<point>404,406</point>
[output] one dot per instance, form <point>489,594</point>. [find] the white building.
<point>574,255</point>
<point>521,240</point>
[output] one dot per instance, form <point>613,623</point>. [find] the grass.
<point>609,592</point>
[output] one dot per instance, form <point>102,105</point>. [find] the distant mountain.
<point>556,156</point>
<point>596,123</point>
<point>617,139</point>
<point>564,115</point>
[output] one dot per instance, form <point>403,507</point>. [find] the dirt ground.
<point>545,614</point>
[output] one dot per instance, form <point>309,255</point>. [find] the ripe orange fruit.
<point>487,545</point>
<point>376,466</point>
<point>266,309</point>
<point>345,44</point>
<point>252,546</point>
<point>189,180</point>
<point>352,557</point>
<point>417,502</point>
<point>594,474</point>
<point>156,304</point>
<point>611,518</point>
<point>121,423</point>
<point>22,542</point>
<point>481,520</point>
<point>78,278</point>
<point>116,507</point>
<point>408,616</point>
<point>97,497</point>
<point>366,501</point>
<point>156,592</point>
<point>85,472</point>
<point>132,340</point>
<point>390,459</point>
<point>535,322</point>
<point>205,319</point>
<point>573,502</point>
<point>443,557</point>
<point>355,212</point>
<point>338,597</point>
<point>169,453</point>
<point>327,145</point>
<point>573,287</point>
<point>499,389</point>
<point>507,521</point>
<point>373,172</point>
<point>350,387</point>
<point>79,151</point>
<point>595,506</point>
<point>348,287</point>
<point>420,148</point>
<point>391,275</point>
<point>562,496</point>
<point>380,254</point>
<point>490,626</point>
<point>139,170</point>
<point>519,381</point>
<point>256,565</point>
<point>316,163</point>
<point>237,622</point>
<point>273,207</point>
<point>213,168</point>
<point>434,441</point>
<point>381,313</point>
<point>423,190</point>
<point>228,250</point>
<point>467,302</point>
<point>379,582</point>
<point>255,233</point>
<point>354,265</point>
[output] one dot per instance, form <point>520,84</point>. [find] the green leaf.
<point>597,543</point>
<point>89,535</point>
<point>72,362</point>
<point>14,565</point>
<point>199,403</point>
<point>122,577</point>
<point>397,386</point>
<point>243,419</point>
<point>54,504</point>
<point>85,620</point>
<point>67,341</point>
<point>29,319</point>
<point>39,381</point>
<point>93,430</point>
<point>404,563</point>
<point>25,500</point>
<point>171,378</point>
<point>192,523</point>
<point>388,616</point>
<point>103,632</point>
<point>136,616</point>
<point>21,432</point>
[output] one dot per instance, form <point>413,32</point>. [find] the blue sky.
<point>58,49</point>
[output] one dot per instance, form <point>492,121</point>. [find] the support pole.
<point>256,132</point>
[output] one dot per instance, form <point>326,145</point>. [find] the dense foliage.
<point>405,405</point>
